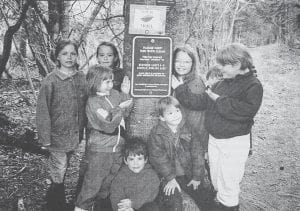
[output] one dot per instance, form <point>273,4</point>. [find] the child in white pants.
<point>230,105</point>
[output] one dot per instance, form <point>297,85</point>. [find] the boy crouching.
<point>175,157</point>
<point>137,184</point>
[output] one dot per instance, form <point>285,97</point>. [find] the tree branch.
<point>8,37</point>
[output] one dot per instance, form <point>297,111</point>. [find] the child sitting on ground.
<point>173,154</point>
<point>137,184</point>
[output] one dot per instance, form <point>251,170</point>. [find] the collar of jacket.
<point>164,127</point>
<point>102,94</point>
<point>63,76</point>
<point>239,76</point>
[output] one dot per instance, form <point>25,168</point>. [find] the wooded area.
<point>30,29</point>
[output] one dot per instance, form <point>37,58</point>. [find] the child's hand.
<point>126,103</point>
<point>102,112</point>
<point>171,186</point>
<point>124,204</point>
<point>194,183</point>
<point>212,95</point>
<point>176,82</point>
<point>125,86</point>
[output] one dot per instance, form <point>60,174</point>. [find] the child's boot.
<point>55,197</point>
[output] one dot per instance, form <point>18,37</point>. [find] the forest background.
<point>30,29</point>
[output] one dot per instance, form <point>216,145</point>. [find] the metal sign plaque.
<point>151,66</point>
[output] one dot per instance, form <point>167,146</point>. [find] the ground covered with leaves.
<point>271,182</point>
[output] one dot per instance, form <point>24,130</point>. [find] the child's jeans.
<point>150,206</point>
<point>57,165</point>
<point>101,165</point>
<point>174,202</point>
<point>227,159</point>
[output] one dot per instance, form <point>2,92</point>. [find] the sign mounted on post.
<point>151,66</point>
<point>147,19</point>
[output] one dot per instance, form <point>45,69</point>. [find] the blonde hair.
<point>96,75</point>
<point>235,53</point>
<point>165,102</point>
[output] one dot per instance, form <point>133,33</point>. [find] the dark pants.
<point>150,206</point>
<point>201,196</point>
<point>102,167</point>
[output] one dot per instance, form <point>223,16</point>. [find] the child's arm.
<point>43,120</point>
<point>97,120</point>
<point>238,110</point>
<point>188,99</point>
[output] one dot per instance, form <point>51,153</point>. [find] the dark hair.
<point>165,102</point>
<point>189,52</point>
<point>60,46</point>
<point>214,72</point>
<point>135,146</point>
<point>95,75</point>
<point>116,62</point>
<point>235,53</point>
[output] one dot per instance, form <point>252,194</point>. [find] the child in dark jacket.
<point>60,118</point>
<point>230,108</point>
<point>174,156</point>
<point>136,185</point>
<point>105,111</point>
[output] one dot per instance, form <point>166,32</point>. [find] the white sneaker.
<point>79,209</point>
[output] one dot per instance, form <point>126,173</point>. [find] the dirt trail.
<point>272,177</point>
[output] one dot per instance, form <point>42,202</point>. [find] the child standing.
<point>60,118</point>
<point>184,68</point>
<point>137,184</point>
<point>108,56</point>
<point>231,106</point>
<point>105,110</point>
<point>174,156</point>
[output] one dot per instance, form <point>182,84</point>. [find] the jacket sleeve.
<point>97,120</point>
<point>117,192</point>
<point>43,120</point>
<point>241,110</point>
<point>126,111</point>
<point>150,192</point>
<point>190,100</point>
<point>159,158</point>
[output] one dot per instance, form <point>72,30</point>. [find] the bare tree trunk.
<point>8,37</point>
<point>143,116</point>
<point>91,21</point>
<point>230,37</point>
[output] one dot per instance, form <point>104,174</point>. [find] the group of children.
<point>199,119</point>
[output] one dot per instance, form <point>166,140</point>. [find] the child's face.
<point>172,116</point>
<point>105,86</point>
<point>183,63</point>
<point>136,163</point>
<point>105,56</point>
<point>230,71</point>
<point>67,56</point>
